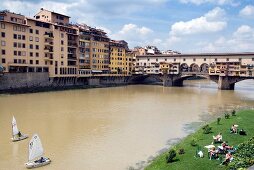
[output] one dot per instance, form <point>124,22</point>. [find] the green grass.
<point>188,161</point>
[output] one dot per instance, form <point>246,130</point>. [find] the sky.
<point>187,26</point>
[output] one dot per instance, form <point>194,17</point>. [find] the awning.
<point>96,71</point>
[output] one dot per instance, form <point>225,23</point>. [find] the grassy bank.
<point>189,160</point>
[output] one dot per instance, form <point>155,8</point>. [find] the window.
<point>31,54</point>
<point>31,61</point>
<point>3,43</point>
<point>37,54</point>
<point>3,52</point>
<point>184,59</point>
<point>37,61</point>
<point>23,37</point>
<point>15,36</point>
<point>19,37</point>
<point>3,34</point>
<point>215,59</point>
<point>15,60</point>
<point>37,39</point>
<point>204,59</point>
<point>36,31</point>
<point>62,35</point>
<point>2,25</point>
<point>31,38</point>
<point>37,47</point>
<point>31,46</point>
<point>194,59</point>
<point>62,42</point>
<point>166,59</point>
<point>23,45</point>
<point>3,60</point>
<point>15,45</point>
<point>240,59</point>
<point>227,59</point>
<point>252,59</point>
<point>62,49</point>
<point>62,63</point>
<point>19,53</point>
<point>23,53</point>
<point>14,52</point>
<point>31,31</point>
<point>174,59</point>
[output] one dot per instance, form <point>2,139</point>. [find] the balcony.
<point>49,43</point>
<point>48,35</point>
<point>48,50</point>
<point>72,44</point>
<point>49,58</point>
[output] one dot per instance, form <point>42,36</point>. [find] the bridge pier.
<point>224,83</point>
<point>172,80</point>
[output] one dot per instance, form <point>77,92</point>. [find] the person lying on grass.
<point>218,138</point>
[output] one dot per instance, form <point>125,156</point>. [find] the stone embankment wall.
<point>10,81</point>
<point>34,82</point>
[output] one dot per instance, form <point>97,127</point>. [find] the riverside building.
<point>50,43</point>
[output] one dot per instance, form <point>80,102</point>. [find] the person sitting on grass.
<point>226,147</point>
<point>233,129</point>
<point>213,154</point>
<point>218,138</point>
<point>228,159</point>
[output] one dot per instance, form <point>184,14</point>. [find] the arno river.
<point>111,128</point>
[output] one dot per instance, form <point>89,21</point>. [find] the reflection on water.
<point>110,128</point>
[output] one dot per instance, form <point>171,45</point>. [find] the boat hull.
<point>15,139</point>
<point>36,164</point>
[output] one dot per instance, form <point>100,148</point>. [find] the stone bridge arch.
<point>184,67</point>
<point>204,68</point>
<point>194,67</point>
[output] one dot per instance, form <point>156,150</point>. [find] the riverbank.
<point>189,160</point>
<point>55,88</point>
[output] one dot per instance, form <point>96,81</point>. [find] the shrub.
<point>218,120</point>
<point>244,156</point>
<point>171,155</point>
<point>233,113</point>
<point>181,151</point>
<point>227,116</point>
<point>193,142</point>
<point>207,129</point>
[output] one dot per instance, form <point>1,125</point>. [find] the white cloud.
<point>134,35</point>
<point>210,22</point>
<point>218,2</point>
<point>130,30</point>
<point>241,40</point>
<point>247,11</point>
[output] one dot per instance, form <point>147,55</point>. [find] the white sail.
<point>35,148</point>
<point>15,129</point>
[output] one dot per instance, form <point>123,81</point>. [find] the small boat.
<point>16,134</point>
<point>36,158</point>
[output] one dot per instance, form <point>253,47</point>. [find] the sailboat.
<point>16,134</point>
<point>36,158</point>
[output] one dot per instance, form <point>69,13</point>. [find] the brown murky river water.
<point>110,128</point>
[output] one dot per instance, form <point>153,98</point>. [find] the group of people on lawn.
<point>224,148</point>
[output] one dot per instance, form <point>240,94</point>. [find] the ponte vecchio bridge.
<point>225,69</point>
